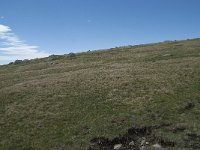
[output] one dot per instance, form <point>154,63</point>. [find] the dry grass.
<point>62,102</point>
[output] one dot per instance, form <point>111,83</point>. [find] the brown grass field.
<point>62,102</point>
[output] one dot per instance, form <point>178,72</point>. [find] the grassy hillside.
<point>62,102</point>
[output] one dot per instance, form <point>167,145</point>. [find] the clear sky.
<point>38,28</point>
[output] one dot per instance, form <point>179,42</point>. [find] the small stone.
<point>147,143</point>
<point>117,146</point>
<point>166,55</point>
<point>143,142</point>
<point>157,145</point>
<point>143,147</point>
<point>132,143</point>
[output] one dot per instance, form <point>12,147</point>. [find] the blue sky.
<point>38,28</point>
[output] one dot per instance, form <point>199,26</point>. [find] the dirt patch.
<point>136,138</point>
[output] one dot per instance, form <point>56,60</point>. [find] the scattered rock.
<point>143,147</point>
<point>157,145</point>
<point>132,143</point>
<point>117,146</point>
<point>143,142</point>
<point>135,139</point>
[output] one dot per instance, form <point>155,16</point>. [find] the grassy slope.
<point>102,93</point>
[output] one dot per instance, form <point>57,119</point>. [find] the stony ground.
<point>140,138</point>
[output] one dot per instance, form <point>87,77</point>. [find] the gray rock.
<point>132,143</point>
<point>143,141</point>
<point>143,147</point>
<point>157,145</point>
<point>117,146</point>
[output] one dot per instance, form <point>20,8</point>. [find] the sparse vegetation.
<point>102,94</point>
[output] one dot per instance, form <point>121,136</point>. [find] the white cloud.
<point>2,17</point>
<point>12,47</point>
<point>4,29</point>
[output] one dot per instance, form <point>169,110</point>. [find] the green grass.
<point>62,102</point>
